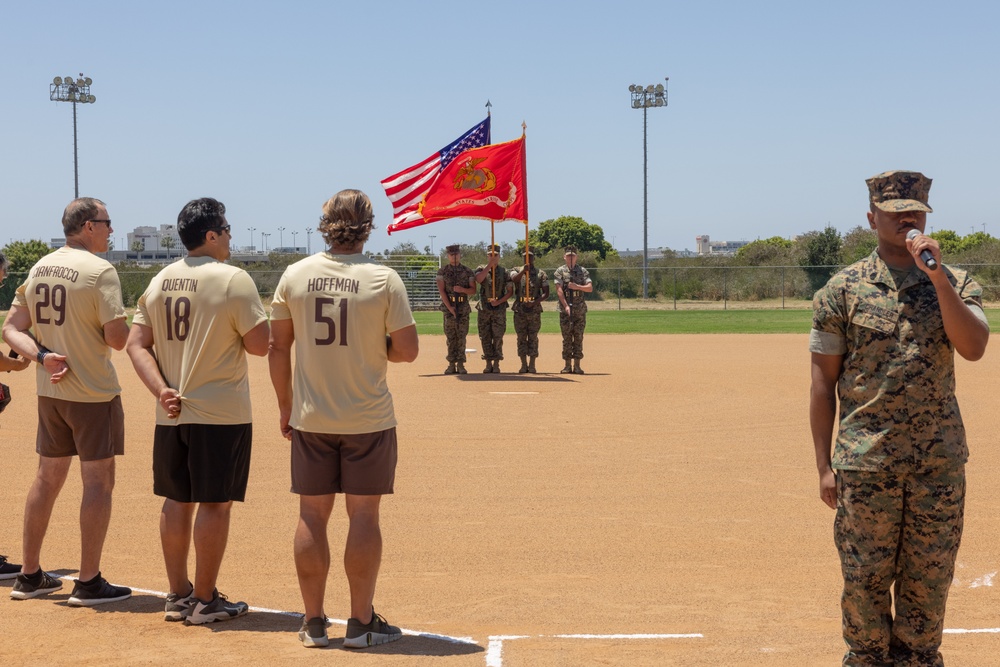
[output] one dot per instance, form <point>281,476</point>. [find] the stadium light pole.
<point>251,230</point>
<point>295,244</point>
<point>281,237</point>
<point>309,232</point>
<point>76,91</point>
<point>644,98</point>
<point>263,240</point>
<point>432,242</point>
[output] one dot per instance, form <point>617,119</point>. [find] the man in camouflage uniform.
<point>531,287</point>
<point>455,283</point>
<point>885,330</point>
<point>571,283</point>
<point>495,289</point>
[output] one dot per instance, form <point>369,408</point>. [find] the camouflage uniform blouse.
<point>456,275</point>
<point>486,289</point>
<point>898,411</point>
<point>538,281</point>
<point>565,275</point>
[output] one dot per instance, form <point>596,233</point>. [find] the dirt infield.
<point>661,510</point>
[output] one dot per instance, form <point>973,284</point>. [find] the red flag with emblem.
<point>490,182</point>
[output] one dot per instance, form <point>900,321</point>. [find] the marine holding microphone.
<point>884,334</point>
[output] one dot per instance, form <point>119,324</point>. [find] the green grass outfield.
<point>669,321</point>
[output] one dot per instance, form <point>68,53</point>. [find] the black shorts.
<point>202,463</point>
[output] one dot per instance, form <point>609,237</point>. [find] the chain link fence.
<point>677,287</point>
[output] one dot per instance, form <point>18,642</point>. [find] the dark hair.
<point>78,212</point>
<point>347,218</point>
<point>197,218</point>
<point>4,264</point>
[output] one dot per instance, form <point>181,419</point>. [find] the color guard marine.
<point>455,283</point>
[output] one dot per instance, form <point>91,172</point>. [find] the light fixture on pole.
<point>432,243</point>
<point>295,244</point>
<point>309,231</point>
<point>76,91</point>
<point>251,230</point>
<point>263,240</point>
<point>281,238</point>
<point>644,98</point>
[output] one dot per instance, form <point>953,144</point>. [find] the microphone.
<point>925,255</point>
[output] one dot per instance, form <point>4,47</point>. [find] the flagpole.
<point>527,250</point>
<point>527,291</point>
<point>493,271</point>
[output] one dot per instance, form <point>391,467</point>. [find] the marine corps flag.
<point>488,182</point>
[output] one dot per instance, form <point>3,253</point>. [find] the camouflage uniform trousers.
<point>527,324</point>
<point>572,327</point>
<point>456,329</point>
<point>904,529</point>
<point>492,326</point>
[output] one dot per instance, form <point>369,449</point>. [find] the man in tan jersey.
<point>68,315</point>
<point>346,316</point>
<point>192,329</point>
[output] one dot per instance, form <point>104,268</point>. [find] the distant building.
<point>653,253</point>
<point>719,248</point>
<point>151,239</point>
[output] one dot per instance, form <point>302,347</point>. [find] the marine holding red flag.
<point>488,183</point>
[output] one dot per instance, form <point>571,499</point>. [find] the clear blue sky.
<point>777,111</point>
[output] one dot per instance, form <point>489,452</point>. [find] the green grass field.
<point>671,321</point>
<point>668,321</point>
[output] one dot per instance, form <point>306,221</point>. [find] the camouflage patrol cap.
<point>894,191</point>
<point>569,250</point>
<point>493,249</point>
<point>453,249</point>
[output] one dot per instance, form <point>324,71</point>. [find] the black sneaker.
<point>378,631</point>
<point>313,633</point>
<point>99,593</point>
<point>178,607</point>
<point>218,609</point>
<point>24,589</point>
<point>8,570</point>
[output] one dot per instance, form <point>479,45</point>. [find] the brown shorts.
<point>92,431</point>
<point>361,465</point>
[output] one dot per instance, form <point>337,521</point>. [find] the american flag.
<point>407,188</point>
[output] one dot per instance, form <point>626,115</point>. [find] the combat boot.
<point>576,367</point>
<point>568,368</point>
<point>451,369</point>
<point>496,365</point>
<point>460,368</point>
<point>524,364</point>
<point>531,365</point>
<point>489,366</point>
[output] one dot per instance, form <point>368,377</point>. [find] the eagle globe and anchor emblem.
<point>471,176</point>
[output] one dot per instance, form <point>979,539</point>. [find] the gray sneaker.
<point>178,607</point>
<point>8,570</point>
<point>24,589</point>
<point>313,633</point>
<point>100,593</point>
<point>377,631</point>
<point>219,609</point>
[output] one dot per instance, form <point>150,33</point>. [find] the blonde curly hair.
<point>347,218</point>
